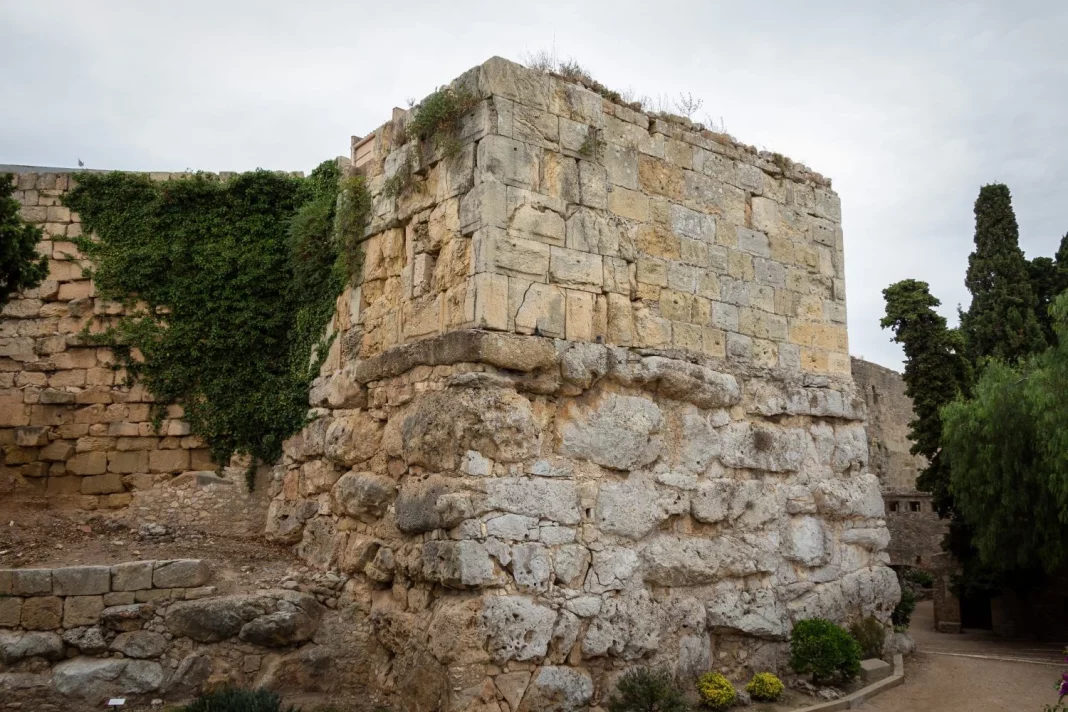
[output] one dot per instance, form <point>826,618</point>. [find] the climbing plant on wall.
<point>21,266</point>
<point>228,286</point>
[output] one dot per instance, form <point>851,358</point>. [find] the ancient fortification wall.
<point>73,433</point>
<point>915,529</point>
<point>588,405</point>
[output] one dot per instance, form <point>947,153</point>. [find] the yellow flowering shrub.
<point>716,691</point>
<point>765,687</point>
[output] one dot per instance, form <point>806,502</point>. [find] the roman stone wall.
<point>916,531</point>
<point>73,637</point>
<point>72,431</point>
<point>588,406</point>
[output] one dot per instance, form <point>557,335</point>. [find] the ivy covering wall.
<point>228,287</point>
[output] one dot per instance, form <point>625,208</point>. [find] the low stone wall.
<point>44,599</point>
<point>72,637</point>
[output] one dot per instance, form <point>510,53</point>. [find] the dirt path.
<point>972,672</point>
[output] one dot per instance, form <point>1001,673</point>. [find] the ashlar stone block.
<point>81,580</point>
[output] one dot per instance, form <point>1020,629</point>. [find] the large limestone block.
<point>280,629</point>
<point>758,613</point>
<point>500,77</point>
<point>806,541</point>
<point>458,564</point>
<point>96,679</point>
<point>441,426</point>
<point>81,580</point>
<point>181,573</point>
<point>764,446</point>
<point>612,569</point>
<point>140,644</point>
<point>678,561</point>
<point>613,430</point>
<point>626,626</point>
<point>634,508</point>
<point>19,646</point>
<point>363,495</point>
<point>680,380</point>
<point>353,439</point>
<point>132,576</point>
<point>555,500</point>
<point>558,689</point>
<point>855,497</point>
<point>516,628</point>
<point>213,619</point>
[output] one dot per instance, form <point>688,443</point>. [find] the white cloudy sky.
<point>908,106</point>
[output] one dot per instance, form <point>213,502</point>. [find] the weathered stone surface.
<point>181,573</point>
<point>672,561</point>
<point>614,430</point>
<point>139,644</point>
<point>764,447</point>
<point>352,439</point>
<point>626,626</point>
<point>81,580</point>
<point>806,541</point>
<point>534,497</point>
<point>363,495</point>
<point>634,508</point>
<point>758,613</point>
<point>19,646</point>
<point>516,628</point>
<point>558,689</point>
<point>132,576</point>
<point>42,612</point>
<point>285,520</point>
<point>213,619</point>
<point>126,617</point>
<point>441,426</point>
<point>680,380</point>
<point>82,610</point>
<point>852,497</point>
<point>457,564</point>
<point>89,640</point>
<point>94,679</point>
<point>31,582</point>
<point>279,629</point>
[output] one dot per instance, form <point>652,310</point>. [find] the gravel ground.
<point>940,678</point>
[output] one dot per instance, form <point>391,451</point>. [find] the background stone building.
<point>915,529</point>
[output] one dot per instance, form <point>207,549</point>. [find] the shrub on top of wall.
<point>824,649</point>
<point>21,266</point>
<point>227,287</point>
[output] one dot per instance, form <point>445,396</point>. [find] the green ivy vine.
<point>228,287</point>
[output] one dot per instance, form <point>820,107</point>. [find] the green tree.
<point>1049,277</point>
<point>1000,322</point>
<point>1007,449</point>
<point>21,267</point>
<point>935,373</point>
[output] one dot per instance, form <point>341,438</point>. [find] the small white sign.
<point>116,702</point>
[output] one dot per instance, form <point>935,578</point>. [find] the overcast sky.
<point>909,106</point>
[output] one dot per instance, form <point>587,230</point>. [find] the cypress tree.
<point>935,373</point>
<point>1001,320</point>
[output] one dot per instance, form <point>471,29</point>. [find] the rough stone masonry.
<point>589,406</point>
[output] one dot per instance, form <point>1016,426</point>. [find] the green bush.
<point>435,119</point>
<point>870,635</point>
<point>918,577</point>
<point>824,649</point>
<point>902,615</point>
<point>716,691</point>
<point>233,699</point>
<point>643,690</point>
<point>765,687</point>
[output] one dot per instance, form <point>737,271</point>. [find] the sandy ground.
<point>972,672</point>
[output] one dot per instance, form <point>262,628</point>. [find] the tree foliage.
<point>1049,277</point>
<point>1001,322</point>
<point>1008,451</point>
<point>227,286</point>
<point>935,373</point>
<point>21,267</point>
